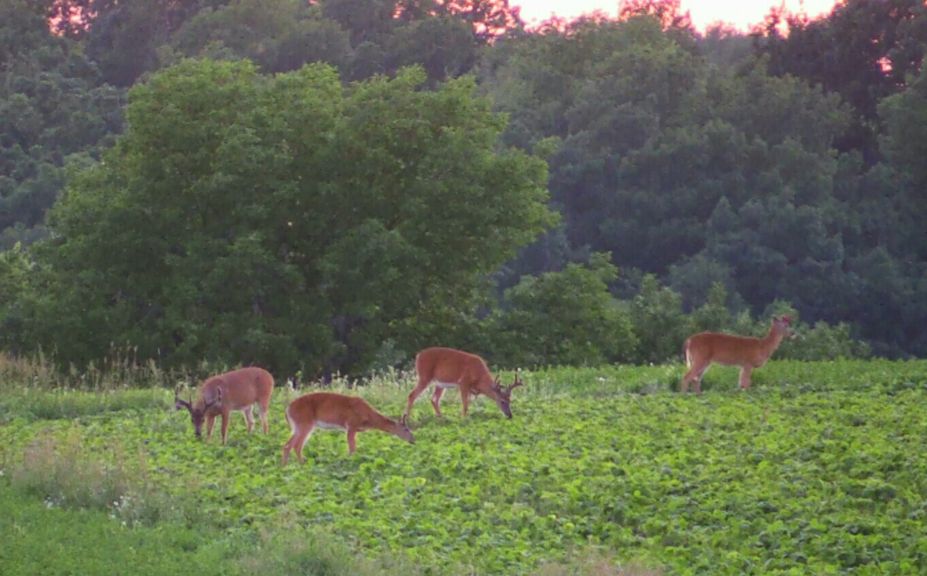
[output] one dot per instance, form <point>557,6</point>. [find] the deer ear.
<point>179,403</point>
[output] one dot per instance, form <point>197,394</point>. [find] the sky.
<point>739,13</point>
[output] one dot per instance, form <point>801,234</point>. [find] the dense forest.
<point>328,186</point>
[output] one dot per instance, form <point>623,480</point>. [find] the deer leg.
<point>419,388</point>
<point>210,422</point>
<point>249,419</point>
<point>436,400</point>
<point>684,384</point>
<point>352,443</point>
<point>301,442</point>
<point>285,456</point>
<point>262,414</point>
<point>745,377</point>
<point>225,426</point>
<point>694,376</point>
<point>297,441</point>
<point>465,400</point>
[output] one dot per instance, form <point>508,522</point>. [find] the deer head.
<point>402,430</point>
<point>197,410</point>
<point>504,394</point>
<point>782,325</point>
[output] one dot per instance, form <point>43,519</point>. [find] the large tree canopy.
<point>289,220</point>
<point>704,174</point>
<point>306,219</point>
<point>52,106</point>
<point>864,50</point>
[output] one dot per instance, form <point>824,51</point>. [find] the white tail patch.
<point>289,420</point>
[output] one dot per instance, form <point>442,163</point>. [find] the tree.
<point>287,220</point>
<point>443,45</point>
<point>863,50</point>
<point>564,318</point>
<point>659,322</point>
<point>905,118</point>
<point>667,12</point>
<point>279,35</point>
<point>123,36</point>
<point>53,109</point>
<point>16,274</point>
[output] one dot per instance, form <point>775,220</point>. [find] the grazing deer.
<point>450,368</point>
<point>236,390</point>
<point>705,348</point>
<point>328,410</point>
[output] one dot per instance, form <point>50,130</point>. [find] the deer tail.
<point>286,412</point>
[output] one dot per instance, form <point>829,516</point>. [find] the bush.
<point>659,322</point>
<point>823,342</point>
<point>564,318</point>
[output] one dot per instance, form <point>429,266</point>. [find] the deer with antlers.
<point>450,368</point>
<point>221,394</point>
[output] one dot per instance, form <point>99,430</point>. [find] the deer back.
<point>453,366</point>
<point>237,389</point>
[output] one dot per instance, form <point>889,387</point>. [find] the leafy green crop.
<point>819,469</point>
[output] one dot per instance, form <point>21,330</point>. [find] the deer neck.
<point>487,386</point>
<point>771,341</point>
<point>381,422</point>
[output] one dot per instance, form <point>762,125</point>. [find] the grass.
<point>42,538</point>
<point>602,471</point>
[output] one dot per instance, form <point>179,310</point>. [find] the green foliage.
<point>280,36</point>
<point>52,540</point>
<point>287,221</point>
<point>52,107</point>
<point>659,322</point>
<point>564,318</point>
<point>789,172</point>
<point>713,315</point>
<point>63,472</point>
<point>443,46</point>
<point>32,404</point>
<point>823,342</point>
<point>905,117</point>
<point>56,539</point>
<point>703,172</point>
<point>15,268</point>
<point>804,472</point>
<point>862,50</point>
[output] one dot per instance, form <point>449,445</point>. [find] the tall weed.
<point>64,472</point>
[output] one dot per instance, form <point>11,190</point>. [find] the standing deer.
<point>328,410</point>
<point>450,368</point>
<point>236,390</point>
<point>706,348</point>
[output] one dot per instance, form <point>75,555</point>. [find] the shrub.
<point>565,318</point>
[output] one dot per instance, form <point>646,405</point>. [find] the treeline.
<point>329,186</point>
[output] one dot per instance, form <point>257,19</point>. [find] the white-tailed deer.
<point>450,368</point>
<point>221,394</point>
<point>706,348</point>
<point>328,410</point>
